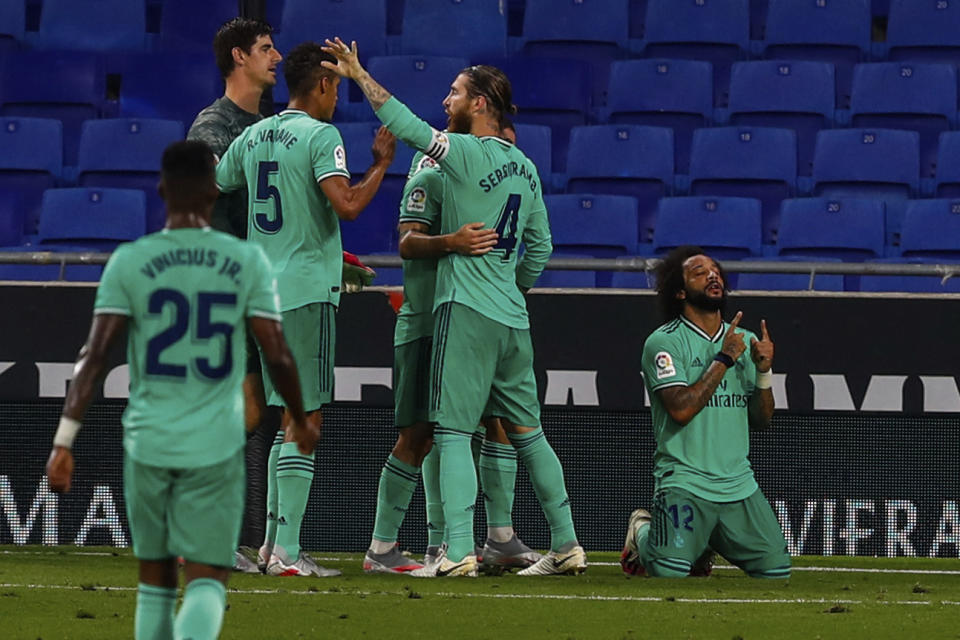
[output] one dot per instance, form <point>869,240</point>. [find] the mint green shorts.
<point>411,381</point>
<point>480,368</point>
<point>311,333</point>
<point>193,513</point>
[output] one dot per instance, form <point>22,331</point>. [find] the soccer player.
<point>421,246</point>
<point>709,383</point>
<point>482,359</point>
<point>183,295</point>
<point>295,168</point>
<point>247,61</point>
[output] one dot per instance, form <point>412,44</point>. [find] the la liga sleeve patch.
<point>664,364</point>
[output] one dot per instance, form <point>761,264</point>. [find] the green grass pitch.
<point>65,592</point>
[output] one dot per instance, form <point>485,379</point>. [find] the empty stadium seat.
<point>676,94</point>
<point>907,95</point>
<point>12,22</point>
<point>869,163</point>
<point>751,162</point>
<point>46,84</point>
<point>726,228</point>
<point>825,31</point>
<point>589,226</point>
<point>948,165</point>
<point>314,20</point>
<point>747,281</point>
<point>794,94</point>
<point>534,141</point>
<point>550,92</point>
<point>848,229</point>
<point>375,231</point>
<point>168,86</point>
<point>91,218</point>
<point>718,32</point>
<point>924,31</point>
<point>931,229</point>
<point>125,153</point>
<point>191,25</point>
<point>31,161</point>
<point>93,25</point>
<point>596,32</point>
<point>621,159</point>
<point>910,283</point>
<point>638,14</point>
<point>474,29</point>
<point>420,82</point>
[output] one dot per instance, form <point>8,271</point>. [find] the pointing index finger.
<point>735,322</point>
<point>763,330</point>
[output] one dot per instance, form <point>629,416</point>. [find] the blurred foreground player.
<point>709,383</point>
<point>184,295</point>
<point>482,359</point>
<point>295,167</point>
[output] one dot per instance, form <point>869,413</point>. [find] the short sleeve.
<point>264,299</point>
<point>327,156</point>
<point>422,197</point>
<point>230,168</point>
<point>112,296</point>
<point>663,362</point>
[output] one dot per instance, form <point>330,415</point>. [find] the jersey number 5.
<point>507,227</point>
<point>267,192</point>
<point>205,330</point>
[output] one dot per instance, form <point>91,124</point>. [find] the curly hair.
<point>669,279</point>
<point>238,32</point>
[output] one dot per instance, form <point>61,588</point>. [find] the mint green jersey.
<point>281,161</point>
<point>486,180</point>
<point>707,456</point>
<point>188,294</point>
<point>421,202</point>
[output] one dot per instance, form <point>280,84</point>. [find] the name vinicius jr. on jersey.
<point>196,257</point>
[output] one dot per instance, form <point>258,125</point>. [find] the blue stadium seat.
<point>948,165</point>
<point>93,25</point>
<point>623,159</point>
<point>908,283</point>
<point>726,228</point>
<point>589,226</point>
<point>169,86</point>
<point>676,94</point>
<point>46,84</point>
<point>375,231</point>
<point>751,162</point>
<point>907,95</point>
<point>420,82</point>
<point>924,31</point>
<point>91,218</point>
<point>869,163</point>
<point>12,23</point>
<point>550,92</point>
<point>188,25</point>
<point>31,161</point>
<point>638,15</point>
<point>758,18</point>
<point>632,280</point>
<point>827,31</point>
<point>880,8</point>
<point>718,32</point>
<point>848,229</point>
<point>474,29</point>
<point>747,281</point>
<point>534,141</point>
<point>313,20</point>
<point>594,31</point>
<point>931,229</point>
<point>792,94</point>
<point>125,153</point>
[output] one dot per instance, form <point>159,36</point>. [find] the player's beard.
<point>459,122</point>
<point>702,301</point>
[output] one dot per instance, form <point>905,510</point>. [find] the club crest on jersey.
<point>426,162</point>
<point>340,157</point>
<point>417,199</point>
<point>664,364</point>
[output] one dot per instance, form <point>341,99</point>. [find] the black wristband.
<point>724,359</point>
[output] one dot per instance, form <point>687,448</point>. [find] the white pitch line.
<point>525,596</point>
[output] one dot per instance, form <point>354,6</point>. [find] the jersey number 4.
<point>267,192</point>
<point>507,227</point>
<point>205,330</point>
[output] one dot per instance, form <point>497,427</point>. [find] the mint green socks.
<point>201,614</point>
<point>154,615</point>
<point>498,477</point>
<point>397,483</point>
<point>459,488</point>
<point>294,477</point>
<point>430,471</point>
<point>270,530</point>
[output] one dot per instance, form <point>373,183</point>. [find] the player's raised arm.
<point>88,373</point>
<point>349,200</point>
<point>761,402</point>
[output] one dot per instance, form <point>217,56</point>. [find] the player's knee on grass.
<point>775,567</point>
<point>667,568</point>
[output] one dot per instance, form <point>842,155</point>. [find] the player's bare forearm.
<point>684,403</point>
<point>469,240</point>
<point>280,364</point>
<point>375,93</point>
<point>417,245</point>
<point>760,409</point>
<point>349,200</point>
<point>92,363</point>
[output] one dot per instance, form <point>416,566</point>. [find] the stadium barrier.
<point>862,460</point>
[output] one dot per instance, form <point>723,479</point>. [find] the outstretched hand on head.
<point>348,61</point>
